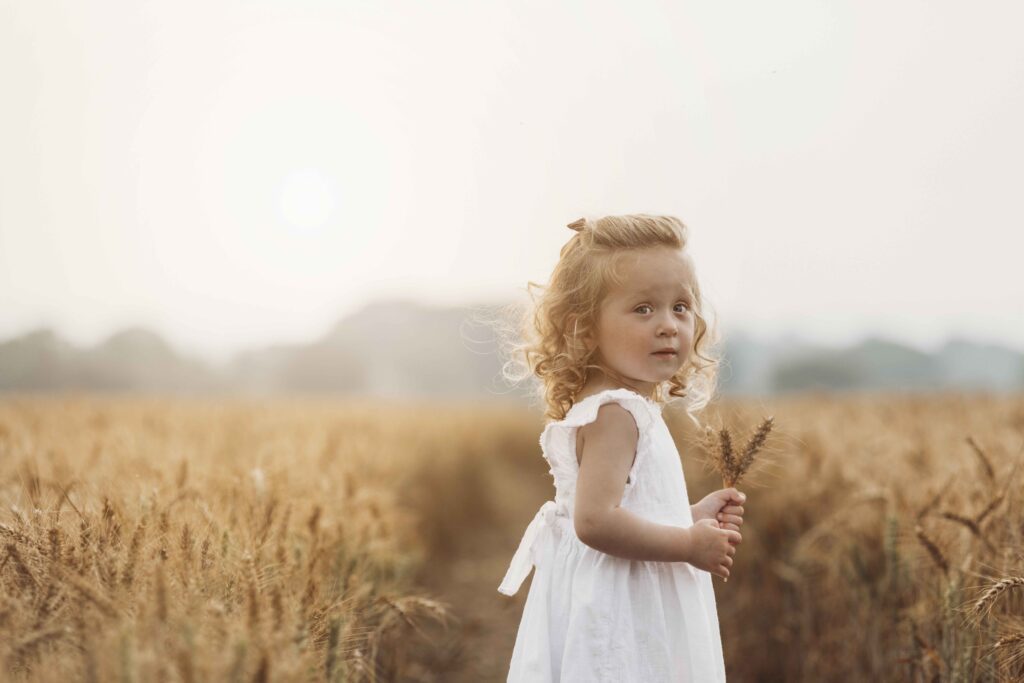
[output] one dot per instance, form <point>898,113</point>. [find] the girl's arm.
<point>608,450</point>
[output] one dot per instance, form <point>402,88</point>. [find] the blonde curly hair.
<point>548,342</point>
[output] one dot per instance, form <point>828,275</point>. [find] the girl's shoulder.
<point>584,410</point>
<point>559,438</point>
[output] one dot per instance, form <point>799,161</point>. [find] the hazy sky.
<point>237,173</point>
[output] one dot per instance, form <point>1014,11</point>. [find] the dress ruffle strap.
<point>558,439</point>
<point>526,557</point>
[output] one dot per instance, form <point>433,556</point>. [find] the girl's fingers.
<point>732,510</point>
<point>730,519</point>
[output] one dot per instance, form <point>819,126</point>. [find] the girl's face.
<point>650,311</point>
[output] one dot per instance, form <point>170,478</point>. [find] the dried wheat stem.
<point>1012,639</point>
<point>128,573</point>
<point>254,602</point>
<point>161,592</point>
<point>971,525</point>
<point>755,443</point>
<point>87,592</point>
<point>205,559</point>
<point>727,455</point>
<point>26,578</point>
<point>28,645</point>
<point>935,499</point>
<point>985,462</point>
<point>724,458</point>
<point>933,550</point>
<point>15,534</point>
<point>1010,648</point>
<point>989,597</point>
<point>54,537</point>
<point>262,674</point>
<point>48,604</point>
<point>993,504</point>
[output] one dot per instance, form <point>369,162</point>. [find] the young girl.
<point>622,590</point>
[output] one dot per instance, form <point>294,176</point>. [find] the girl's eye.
<point>686,307</point>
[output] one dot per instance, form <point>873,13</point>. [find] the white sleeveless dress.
<point>591,617</point>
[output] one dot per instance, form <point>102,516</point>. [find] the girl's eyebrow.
<point>645,292</point>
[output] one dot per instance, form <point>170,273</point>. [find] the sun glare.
<point>306,199</point>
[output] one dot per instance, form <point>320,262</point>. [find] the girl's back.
<point>590,616</point>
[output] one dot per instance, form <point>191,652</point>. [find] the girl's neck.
<point>596,385</point>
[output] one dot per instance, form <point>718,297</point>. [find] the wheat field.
<point>188,539</point>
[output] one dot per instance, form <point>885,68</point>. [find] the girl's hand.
<point>724,506</point>
<point>712,547</point>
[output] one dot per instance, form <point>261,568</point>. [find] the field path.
<point>478,648</point>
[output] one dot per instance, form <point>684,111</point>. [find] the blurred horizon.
<point>401,349</point>
<point>223,355</point>
<point>243,174</point>
<point>220,354</point>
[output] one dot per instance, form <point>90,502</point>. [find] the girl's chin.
<point>666,366</point>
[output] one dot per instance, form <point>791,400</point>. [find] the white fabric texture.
<point>591,617</point>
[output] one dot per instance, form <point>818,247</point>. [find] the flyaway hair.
<point>547,342</point>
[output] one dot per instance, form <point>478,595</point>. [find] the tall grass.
<point>883,541</point>
<point>193,540</point>
<point>147,540</point>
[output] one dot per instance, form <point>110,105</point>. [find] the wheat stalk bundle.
<point>724,459</point>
